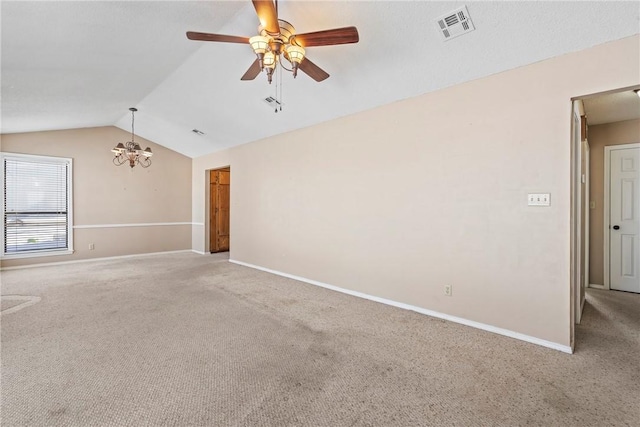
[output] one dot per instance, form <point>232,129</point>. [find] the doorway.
<point>219,209</point>
<point>601,122</point>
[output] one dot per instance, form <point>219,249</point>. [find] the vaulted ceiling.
<point>83,64</point>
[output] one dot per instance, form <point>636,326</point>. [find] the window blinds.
<point>35,204</point>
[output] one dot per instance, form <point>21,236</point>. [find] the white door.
<point>624,219</point>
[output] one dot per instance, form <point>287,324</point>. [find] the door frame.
<point>579,205</point>
<point>587,219</point>
<point>575,215</point>
<point>207,206</point>
<point>607,184</point>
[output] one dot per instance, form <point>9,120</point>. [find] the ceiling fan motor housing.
<point>287,31</point>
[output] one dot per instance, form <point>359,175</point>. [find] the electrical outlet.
<point>448,290</point>
<point>91,246</point>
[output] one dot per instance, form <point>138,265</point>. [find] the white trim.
<point>47,264</point>
<point>70,238</point>
<point>576,216</point>
<point>605,222</point>
<point>142,224</point>
<point>582,305</point>
<point>594,286</point>
<point>455,319</point>
<point>199,252</point>
<point>36,254</point>
<point>606,207</point>
<point>587,216</point>
<point>40,158</point>
<point>201,224</point>
<point>575,185</point>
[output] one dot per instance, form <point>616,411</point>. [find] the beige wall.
<point>600,136</point>
<point>398,201</point>
<point>104,194</point>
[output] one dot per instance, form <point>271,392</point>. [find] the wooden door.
<point>219,213</point>
<point>624,219</point>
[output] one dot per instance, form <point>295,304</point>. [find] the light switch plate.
<point>539,199</point>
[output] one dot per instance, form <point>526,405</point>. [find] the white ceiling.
<point>612,107</point>
<point>83,64</point>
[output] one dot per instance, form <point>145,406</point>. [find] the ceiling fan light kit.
<point>277,38</point>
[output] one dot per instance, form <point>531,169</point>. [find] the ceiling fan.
<point>277,39</point>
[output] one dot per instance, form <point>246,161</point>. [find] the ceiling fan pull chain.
<point>275,70</point>
<point>281,88</point>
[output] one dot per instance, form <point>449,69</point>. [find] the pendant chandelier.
<point>131,151</point>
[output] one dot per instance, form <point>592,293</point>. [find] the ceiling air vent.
<point>455,23</point>
<point>273,103</point>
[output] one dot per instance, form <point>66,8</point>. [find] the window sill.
<point>36,254</point>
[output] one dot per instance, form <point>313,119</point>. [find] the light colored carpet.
<point>12,303</point>
<point>6,304</point>
<point>179,340</point>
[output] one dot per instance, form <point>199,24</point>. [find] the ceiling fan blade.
<point>327,37</point>
<point>267,15</point>
<point>252,72</point>
<point>312,70</point>
<point>206,37</point>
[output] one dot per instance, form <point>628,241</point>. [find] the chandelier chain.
<point>133,120</point>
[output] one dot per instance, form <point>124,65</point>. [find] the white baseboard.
<point>198,252</point>
<point>455,319</point>
<point>594,286</point>
<point>47,264</point>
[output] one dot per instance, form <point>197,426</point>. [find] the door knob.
<point>616,227</point>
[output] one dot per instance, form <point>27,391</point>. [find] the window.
<point>36,205</point>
